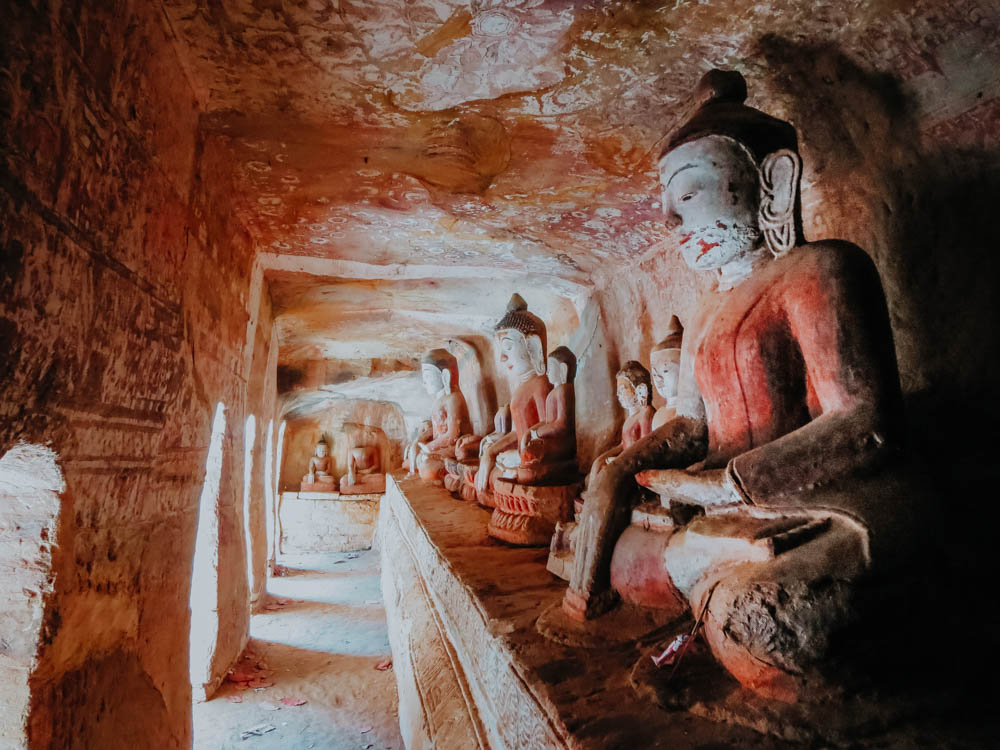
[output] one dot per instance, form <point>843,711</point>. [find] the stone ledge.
<point>472,671</point>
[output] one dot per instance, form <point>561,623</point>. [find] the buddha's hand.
<point>485,445</point>
<point>710,488</point>
<point>483,473</point>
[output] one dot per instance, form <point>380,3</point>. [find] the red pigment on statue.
<point>706,246</point>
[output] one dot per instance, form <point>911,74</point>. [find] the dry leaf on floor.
<point>384,665</point>
<point>366,730</point>
<point>270,706</point>
<point>294,701</point>
<point>234,698</point>
<point>257,731</point>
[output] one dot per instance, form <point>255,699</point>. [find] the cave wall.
<point>123,322</point>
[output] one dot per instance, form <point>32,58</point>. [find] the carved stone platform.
<point>471,668</point>
<point>527,515</point>
<point>326,521</point>
<point>365,484</point>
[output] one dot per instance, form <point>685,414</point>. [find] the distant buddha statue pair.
<point>633,390</point>
<point>633,387</point>
<point>364,464</point>
<point>438,436</point>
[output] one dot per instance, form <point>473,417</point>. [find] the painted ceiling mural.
<point>512,136</point>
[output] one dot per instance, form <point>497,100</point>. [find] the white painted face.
<point>557,371</point>
<point>665,367</point>
<point>322,450</point>
<point>514,356</point>
<point>627,396</point>
<point>432,379</point>
<point>710,190</point>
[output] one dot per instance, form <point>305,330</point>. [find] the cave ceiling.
<point>499,145</point>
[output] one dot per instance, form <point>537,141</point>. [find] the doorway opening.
<point>204,601</point>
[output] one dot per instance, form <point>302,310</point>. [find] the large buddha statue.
<point>449,417</point>
<point>531,471</point>
<point>788,410</point>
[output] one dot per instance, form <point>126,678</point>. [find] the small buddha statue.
<point>531,471</point>
<point>633,388</point>
<point>461,477</point>
<point>320,477</point>
<point>787,416</point>
<point>665,365</point>
<point>521,339</point>
<point>423,434</point>
<point>449,416</point>
<point>364,462</point>
<point>545,448</point>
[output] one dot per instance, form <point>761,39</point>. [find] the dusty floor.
<point>322,646</point>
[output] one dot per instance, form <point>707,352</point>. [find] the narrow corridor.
<point>322,646</point>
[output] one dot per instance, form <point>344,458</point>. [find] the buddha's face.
<point>515,359</point>
<point>665,368</point>
<point>710,192</point>
<point>557,371</point>
<point>322,450</point>
<point>629,396</point>
<point>432,379</point>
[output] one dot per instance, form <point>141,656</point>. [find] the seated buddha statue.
<point>788,414</point>
<point>532,477</point>
<point>546,448</point>
<point>461,477</point>
<point>633,388</point>
<point>320,476</point>
<point>664,366</point>
<point>364,461</point>
<point>449,416</point>
<point>521,339</point>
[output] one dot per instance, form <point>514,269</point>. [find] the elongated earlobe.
<point>446,380</point>
<point>537,354</point>
<point>779,186</point>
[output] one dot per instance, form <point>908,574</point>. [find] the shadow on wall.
<point>921,199</point>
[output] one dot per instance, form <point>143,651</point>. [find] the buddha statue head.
<point>439,369</point>
<point>730,180</point>
<point>322,449</point>
<point>520,341</point>
<point>561,366</point>
<point>665,360</point>
<point>633,387</point>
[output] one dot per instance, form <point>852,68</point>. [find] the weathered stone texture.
<point>310,523</point>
